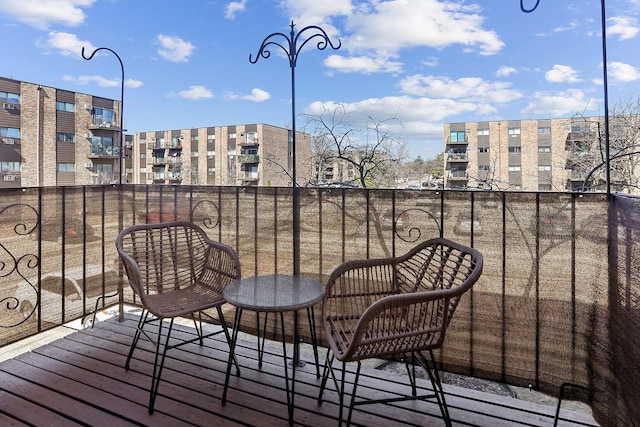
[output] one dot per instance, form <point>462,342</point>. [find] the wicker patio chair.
<point>380,308</point>
<point>176,271</point>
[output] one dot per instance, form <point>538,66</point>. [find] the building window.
<point>65,106</point>
<point>9,133</point>
<point>12,98</point>
<point>457,136</point>
<point>483,168</point>
<point>544,168</point>
<point>103,146</point>
<point>103,117</point>
<point>210,154</point>
<point>66,167</point>
<point>211,137</point>
<point>514,131</point>
<point>9,166</point>
<point>483,132</point>
<point>514,168</point>
<point>515,150</point>
<point>483,149</point>
<point>250,150</point>
<point>544,187</point>
<point>194,154</point>
<point>544,130</point>
<point>65,137</point>
<point>194,137</point>
<point>232,135</point>
<point>544,149</point>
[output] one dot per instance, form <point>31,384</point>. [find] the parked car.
<point>51,291</point>
<point>74,231</point>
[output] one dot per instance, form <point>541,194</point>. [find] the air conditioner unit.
<point>88,135</point>
<point>88,107</point>
<point>8,140</point>
<point>8,106</point>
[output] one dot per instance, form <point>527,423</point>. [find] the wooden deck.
<point>80,380</point>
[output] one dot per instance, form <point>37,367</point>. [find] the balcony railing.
<point>249,158</point>
<point>557,303</point>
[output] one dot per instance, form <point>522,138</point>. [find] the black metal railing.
<point>532,319</point>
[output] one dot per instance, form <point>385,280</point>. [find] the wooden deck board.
<point>80,379</point>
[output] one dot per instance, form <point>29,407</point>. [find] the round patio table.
<point>276,293</point>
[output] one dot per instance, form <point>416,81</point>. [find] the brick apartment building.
<point>54,137</point>
<point>532,155</point>
<point>250,154</point>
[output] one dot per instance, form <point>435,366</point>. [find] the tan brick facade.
<point>507,155</point>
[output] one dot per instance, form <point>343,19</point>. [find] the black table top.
<point>274,293</point>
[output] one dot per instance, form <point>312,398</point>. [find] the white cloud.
<point>469,89</point>
<point>44,13</point>
<point>419,118</point>
<point>256,95</point>
<point>624,27</point>
<point>102,81</point>
<point>562,74</point>
<point>314,12</point>
<point>66,44</point>
<point>392,26</point>
<point>559,104</point>
<point>196,92</point>
<point>362,64</point>
<point>234,8</point>
<point>99,80</point>
<point>174,48</point>
<point>131,83</point>
<point>505,71</point>
<point>623,72</point>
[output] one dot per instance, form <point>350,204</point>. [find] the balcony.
<point>102,152</point>
<point>457,157</point>
<point>248,158</point>
<point>557,302</point>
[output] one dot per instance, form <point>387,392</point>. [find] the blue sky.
<point>424,62</point>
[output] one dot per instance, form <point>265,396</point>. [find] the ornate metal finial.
<point>291,45</point>
<point>525,10</point>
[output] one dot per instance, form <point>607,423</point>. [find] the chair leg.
<point>431,368</point>
<point>141,322</point>
<point>157,367</point>
<point>353,393</point>
<point>325,374</point>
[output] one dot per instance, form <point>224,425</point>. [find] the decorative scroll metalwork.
<point>291,48</point>
<point>16,267</point>
<point>404,224</point>
<point>202,213</point>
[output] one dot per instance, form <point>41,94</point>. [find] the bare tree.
<point>363,144</point>
<point>587,156</point>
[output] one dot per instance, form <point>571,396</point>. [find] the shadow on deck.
<point>80,380</point>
